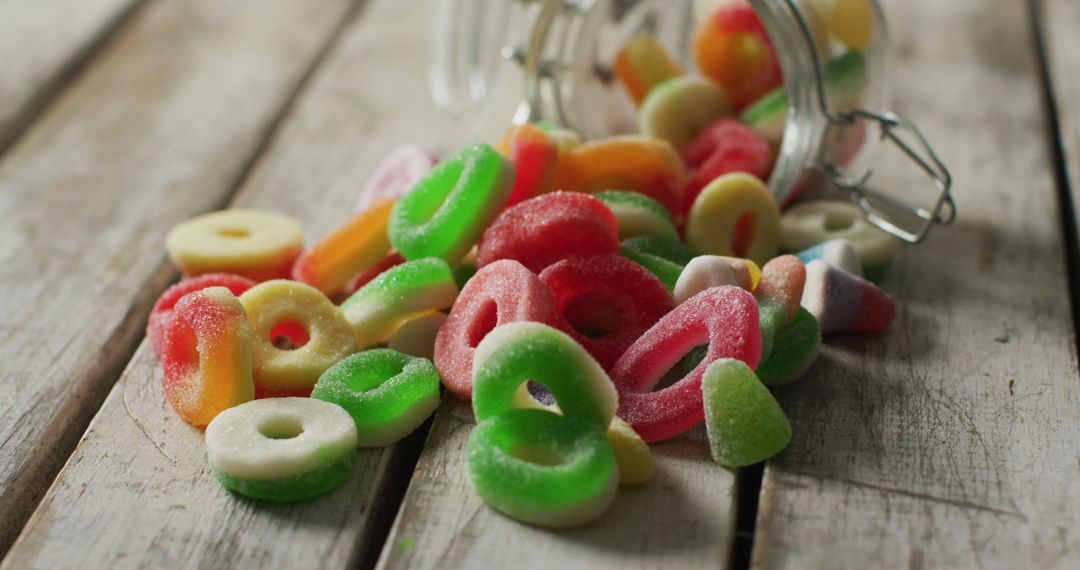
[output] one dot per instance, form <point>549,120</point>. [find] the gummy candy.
<point>282,449</point>
<point>251,243</point>
<point>162,312</point>
<point>445,213</point>
<point>665,258</point>
<point>678,109</point>
<point>416,337</point>
<point>387,393</point>
<point>850,21</point>
<point>632,454</point>
<point>792,350</point>
<point>811,223</point>
<point>535,155</point>
<point>630,163</point>
<point>396,175</point>
<point>638,215</point>
<point>359,244</point>
<point>206,355</point>
<point>392,259</point>
<point>705,271</point>
<point>836,252</point>
<point>732,48</point>
<point>712,222</point>
<point>842,302</point>
<point>782,280</point>
<point>744,421</point>
<point>724,147</point>
<point>642,64</point>
<point>549,228</point>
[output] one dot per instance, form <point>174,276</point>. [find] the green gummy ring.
<point>772,316</point>
<point>513,354</point>
<point>387,393</point>
<point>768,115</point>
<point>663,257</point>
<point>446,212</point>
<point>743,420</point>
<point>542,468</point>
<point>320,481</point>
<point>638,215</point>
<point>793,351</point>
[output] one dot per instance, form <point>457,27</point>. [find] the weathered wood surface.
<point>1060,22</point>
<point>159,127</point>
<point>137,491</point>
<point>953,441</point>
<point>41,45</point>
<point>683,518</point>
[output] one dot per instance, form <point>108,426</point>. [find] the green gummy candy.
<point>744,422</point>
<point>323,479</point>
<point>543,468</point>
<point>768,115</point>
<point>772,316</point>
<point>793,351</point>
<point>845,77</point>
<point>446,212</point>
<point>663,257</point>
<point>387,393</point>
<point>638,215</point>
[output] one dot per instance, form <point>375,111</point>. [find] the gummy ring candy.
<point>732,48</point>
<point>680,108</point>
<point>836,252</point>
<point>501,292</point>
<point>206,355</point>
<point>606,302</point>
<point>664,258</point>
<point>811,223</point>
<point>642,64</point>
<point>387,393</point>
<point>850,21</point>
<point>742,418</point>
<point>516,353</point>
<point>793,350</point>
<point>274,302</point>
<point>392,259</point>
<point>542,468</point>
<point>445,213</point>
<point>396,175</point>
<point>565,139</point>
<point>162,312</point>
<point>359,244</point>
<point>416,337</point>
<point>282,449</point>
<point>535,155</point>
<point>782,280</point>
<point>638,215</point>
<point>724,147</point>
<point>842,302</point>
<point>254,244</point>
<point>399,294</point>
<point>715,214</point>
<point>724,317</point>
<point>634,163</point>
<point>705,271</point>
<point>549,228</point>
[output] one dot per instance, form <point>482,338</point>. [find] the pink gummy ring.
<point>163,307</point>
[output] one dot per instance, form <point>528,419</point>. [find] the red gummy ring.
<point>606,302</point>
<point>502,292</point>
<point>724,317</point>
<point>162,312</point>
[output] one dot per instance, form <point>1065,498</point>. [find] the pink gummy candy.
<point>782,280</point>
<point>166,303</point>
<point>549,228</point>
<point>501,292</point>
<point>396,175</point>
<point>724,147</point>
<point>725,318</point>
<point>605,302</point>
<point>843,302</point>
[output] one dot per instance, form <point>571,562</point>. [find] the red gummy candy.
<point>726,318</point>
<point>606,302</point>
<point>162,312</point>
<point>396,175</point>
<point>502,292</point>
<point>550,228</point>
<point>724,147</point>
<point>392,259</point>
<point>535,156</point>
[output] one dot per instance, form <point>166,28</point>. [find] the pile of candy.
<point>587,297</point>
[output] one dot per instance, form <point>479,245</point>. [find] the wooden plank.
<point>683,518</point>
<point>1059,21</point>
<point>160,127</point>
<point>137,491</point>
<point>951,441</point>
<point>43,44</point>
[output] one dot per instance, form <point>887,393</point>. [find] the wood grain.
<point>1060,19</point>
<point>137,491</point>
<point>42,44</point>
<point>952,441</point>
<point>160,127</point>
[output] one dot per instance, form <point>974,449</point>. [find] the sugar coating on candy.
<point>631,163</point>
<point>535,155</point>
<point>642,64</point>
<point>396,175</point>
<point>501,292</point>
<point>550,228</point>
<point>542,468</point>
<point>744,421</point>
<point>632,454</point>
<point>162,312</point>
<point>837,252</point>
<point>445,213</point>
<point>793,350</point>
<point>359,244</point>
<point>206,355</point>
<point>810,223</point>
<point>387,393</point>
<point>680,108</point>
<point>399,294</point>
<point>416,337</point>
<point>638,215</point>
<point>251,243</point>
<point>842,302</point>
<point>773,318</point>
<point>392,259</point>
<point>665,258</point>
<point>782,280</point>
<point>282,449</point>
<point>724,147</point>
<point>715,215</point>
<point>606,302</point>
<point>732,48</point>
<point>705,271</point>
<point>725,318</point>
<point>294,371</point>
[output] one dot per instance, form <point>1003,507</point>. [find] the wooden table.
<point>952,441</point>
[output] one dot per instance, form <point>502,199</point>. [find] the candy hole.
<point>289,335</point>
<point>236,233</point>
<point>537,454</point>
<point>281,427</point>
<point>486,319</point>
<point>591,316</point>
<point>540,393</point>
<point>743,234</point>
<point>684,366</point>
<point>836,221</point>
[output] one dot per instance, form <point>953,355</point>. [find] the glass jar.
<point>565,49</point>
